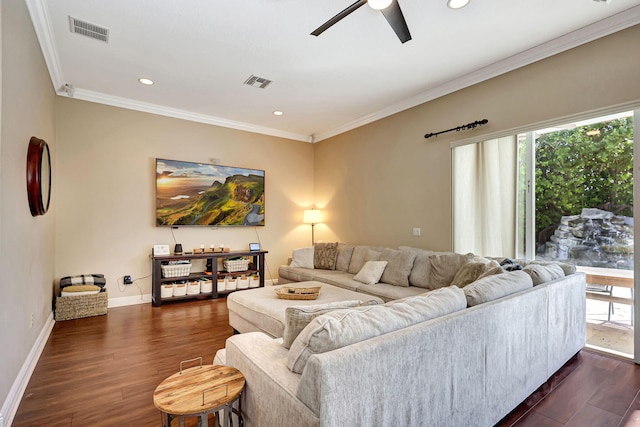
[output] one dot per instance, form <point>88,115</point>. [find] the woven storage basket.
<point>236,265</point>
<point>176,270</point>
<point>76,307</point>
<point>309,293</point>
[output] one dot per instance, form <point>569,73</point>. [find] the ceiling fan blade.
<point>355,6</point>
<point>395,18</point>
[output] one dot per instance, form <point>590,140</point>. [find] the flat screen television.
<point>210,195</point>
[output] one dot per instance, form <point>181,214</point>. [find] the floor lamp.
<point>313,217</point>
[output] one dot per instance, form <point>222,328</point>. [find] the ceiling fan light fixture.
<point>379,4</point>
<point>457,4</point>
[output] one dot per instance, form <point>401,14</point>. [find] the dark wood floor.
<point>102,371</point>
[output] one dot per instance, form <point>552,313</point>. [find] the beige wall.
<point>26,243</point>
<point>377,182</point>
<point>106,190</point>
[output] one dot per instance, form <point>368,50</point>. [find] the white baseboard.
<point>123,301</point>
<point>10,406</point>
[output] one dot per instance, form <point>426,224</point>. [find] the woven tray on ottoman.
<point>75,307</point>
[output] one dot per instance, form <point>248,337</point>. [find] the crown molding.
<point>40,17</point>
<point>44,32</point>
<point>605,27</point>
<point>130,104</point>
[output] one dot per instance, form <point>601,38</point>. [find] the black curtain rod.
<point>459,128</point>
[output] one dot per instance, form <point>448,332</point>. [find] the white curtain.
<point>484,197</point>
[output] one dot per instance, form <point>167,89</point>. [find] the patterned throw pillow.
<point>324,255</point>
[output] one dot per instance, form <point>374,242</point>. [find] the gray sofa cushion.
<point>496,286</point>
<point>421,271</point>
<point>399,265</point>
<point>543,273</point>
<point>341,328</point>
<point>567,268</point>
<point>444,268</point>
<point>344,256</point>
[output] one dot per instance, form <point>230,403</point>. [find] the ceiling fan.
<point>390,9</point>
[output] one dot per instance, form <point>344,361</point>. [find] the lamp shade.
<point>312,216</point>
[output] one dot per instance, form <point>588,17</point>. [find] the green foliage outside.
<point>575,171</point>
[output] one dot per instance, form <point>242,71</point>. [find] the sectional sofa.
<point>436,356</point>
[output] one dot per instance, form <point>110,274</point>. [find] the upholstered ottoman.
<point>260,310</point>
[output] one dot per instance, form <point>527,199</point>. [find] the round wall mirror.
<point>38,176</point>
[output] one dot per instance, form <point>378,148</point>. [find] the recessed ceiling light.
<point>278,113</point>
<point>457,4</point>
<point>145,81</point>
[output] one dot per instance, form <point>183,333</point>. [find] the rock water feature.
<point>595,238</point>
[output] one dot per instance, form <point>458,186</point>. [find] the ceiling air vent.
<point>90,30</point>
<point>259,82</point>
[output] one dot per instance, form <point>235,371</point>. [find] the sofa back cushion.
<point>344,256</point>
<point>445,266</point>
<point>341,328</point>
<point>357,258</point>
<point>496,286</point>
<point>421,271</point>
<point>297,318</point>
<point>543,273</point>
<point>399,265</point>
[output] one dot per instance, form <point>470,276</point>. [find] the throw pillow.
<point>341,328</point>
<point>302,258</point>
<point>324,255</point>
<point>468,273</point>
<point>399,265</point>
<point>344,257</point>
<point>444,268</point>
<point>371,272</point>
<point>543,273</point>
<point>496,286</point>
<point>297,318</point>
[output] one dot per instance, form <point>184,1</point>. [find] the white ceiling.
<point>200,52</point>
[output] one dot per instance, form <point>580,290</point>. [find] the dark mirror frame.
<point>38,184</point>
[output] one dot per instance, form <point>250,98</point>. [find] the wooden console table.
<point>257,266</point>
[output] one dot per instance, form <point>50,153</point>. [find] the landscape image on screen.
<point>205,194</point>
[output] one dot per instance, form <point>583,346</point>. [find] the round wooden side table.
<point>198,392</point>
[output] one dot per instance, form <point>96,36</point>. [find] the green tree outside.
<point>586,167</point>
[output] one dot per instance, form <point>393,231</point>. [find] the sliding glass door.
<point>563,193</point>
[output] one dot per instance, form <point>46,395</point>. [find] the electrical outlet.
<point>127,280</point>
<point>31,321</point>
<point>416,232</point>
